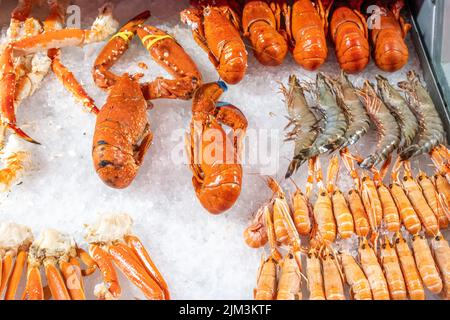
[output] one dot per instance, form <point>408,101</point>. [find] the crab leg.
<point>109,275</point>
<point>88,261</point>
<point>20,13</point>
<point>165,51</point>
<point>16,274</point>
<point>114,49</point>
<point>72,276</point>
<point>33,288</point>
<point>103,26</point>
<point>123,257</point>
<point>7,93</point>
<point>7,266</point>
<point>54,22</point>
<point>138,248</point>
<point>55,280</point>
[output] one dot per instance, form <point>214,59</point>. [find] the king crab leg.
<point>15,240</point>
<point>112,243</point>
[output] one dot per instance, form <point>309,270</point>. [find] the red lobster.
<point>388,39</point>
<point>261,24</point>
<point>122,132</point>
<point>215,27</point>
<point>348,30</point>
<point>306,25</point>
<point>217,173</point>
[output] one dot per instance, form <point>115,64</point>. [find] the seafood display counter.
<point>221,150</point>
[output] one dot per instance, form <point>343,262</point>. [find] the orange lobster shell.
<point>348,30</point>
<point>261,24</point>
<point>306,24</point>
<point>389,48</point>
<point>216,30</point>
<point>122,135</point>
<point>217,173</point>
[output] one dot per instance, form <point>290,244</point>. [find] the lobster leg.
<point>7,93</point>
<point>138,248</point>
<point>109,275</point>
<point>16,274</point>
<point>114,49</point>
<point>143,147</point>
<point>33,288</point>
<point>164,49</point>
<point>135,272</point>
<point>55,281</point>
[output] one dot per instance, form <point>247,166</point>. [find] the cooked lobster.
<point>215,162</point>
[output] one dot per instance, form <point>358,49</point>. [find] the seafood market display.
<point>273,26</point>
<point>381,241</point>
<point>312,114</point>
<point>111,242</point>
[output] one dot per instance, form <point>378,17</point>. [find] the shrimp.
<point>305,122</point>
<point>409,269</point>
<point>266,282</point>
<point>431,133</point>
<point>280,210</point>
<point>362,226</point>
<point>409,127</point>
<point>425,264</point>
<point>387,127</point>
<point>392,270</point>
<point>443,189</point>
<point>290,280</point>
<point>332,135</point>
<point>415,195</point>
<point>332,276</point>
<point>314,275</point>
<point>441,251</point>
<point>323,210</point>
<point>390,211</point>
<point>355,202</point>
<point>431,195</point>
<point>348,100</point>
<point>372,270</point>
<point>366,186</point>
<point>344,219</point>
<point>255,235</point>
<point>355,277</point>
<point>406,210</point>
<point>302,206</point>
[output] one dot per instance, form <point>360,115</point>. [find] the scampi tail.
<point>369,162</point>
<point>296,163</point>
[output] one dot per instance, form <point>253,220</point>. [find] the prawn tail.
<point>409,152</point>
<point>296,162</point>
